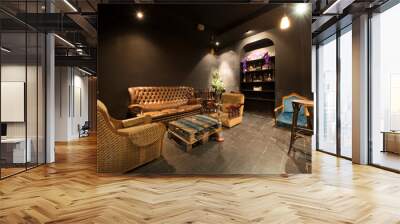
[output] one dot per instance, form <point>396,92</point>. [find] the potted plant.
<point>217,85</point>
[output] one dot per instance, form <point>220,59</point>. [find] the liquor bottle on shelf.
<point>269,77</point>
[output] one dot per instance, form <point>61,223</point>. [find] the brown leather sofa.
<point>163,103</point>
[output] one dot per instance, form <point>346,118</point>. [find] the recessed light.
<point>217,43</point>
<point>139,15</point>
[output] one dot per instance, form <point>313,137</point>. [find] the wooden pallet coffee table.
<point>197,128</point>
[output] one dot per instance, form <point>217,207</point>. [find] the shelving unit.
<point>257,80</point>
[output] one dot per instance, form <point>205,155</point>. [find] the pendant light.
<point>285,22</point>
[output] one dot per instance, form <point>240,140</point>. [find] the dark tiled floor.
<point>253,147</point>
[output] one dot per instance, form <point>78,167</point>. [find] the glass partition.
<point>385,89</point>
<point>22,92</point>
<point>346,93</point>
<point>13,94</point>
<point>326,96</point>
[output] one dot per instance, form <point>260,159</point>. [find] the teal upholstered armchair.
<point>284,113</point>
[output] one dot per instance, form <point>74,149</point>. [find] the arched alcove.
<point>257,75</point>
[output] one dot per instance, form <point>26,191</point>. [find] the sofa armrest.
<point>306,112</point>
<point>278,108</point>
<point>143,135</point>
<point>116,123</point>
<point>136,121</point>
<point>135,109</point>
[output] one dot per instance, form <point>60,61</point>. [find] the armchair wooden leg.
<point>296,110</point>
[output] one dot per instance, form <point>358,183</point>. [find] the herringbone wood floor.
<point>70,191</point>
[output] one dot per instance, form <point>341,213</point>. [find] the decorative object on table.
<point>164,103</point>
<point>219,136</point>
<point>391,141</point>
<point>190,130</point>
<point>217,85</point>
<point>284,113</point>
<point>123,145</point>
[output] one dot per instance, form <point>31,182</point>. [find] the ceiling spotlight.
<point>285,23</point>
<point>301,8</point>
<point>249,32</point>
<point>200,27</point>
<point>217,43</point>
<point>139,15</point>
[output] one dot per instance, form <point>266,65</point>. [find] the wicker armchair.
<point>123,145</point>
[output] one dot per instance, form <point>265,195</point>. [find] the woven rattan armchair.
<point>123,145</point>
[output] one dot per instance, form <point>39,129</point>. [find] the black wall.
<point>160,50</point>
<point>166,49</point>
<point>292,49</point>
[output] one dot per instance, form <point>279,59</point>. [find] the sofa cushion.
<point>228,107</point>
<point>162,106</point>
<point>187,108</point>
<point>155,114</point>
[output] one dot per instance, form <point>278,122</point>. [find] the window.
<point>22,77</point>
<point>334,95</point>
<point>385,88</point>
<point>326,96</point>
<point>346,93</point>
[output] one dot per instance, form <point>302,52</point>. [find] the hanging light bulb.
<point>285,22</point>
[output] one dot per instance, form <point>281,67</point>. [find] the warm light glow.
<point>139,15</point>
<point>84,71</point>
<point>70,5</point>
<point>217,43</point>
<point>249,32</point>
<point>301,8</point>
<point>285,23</point>
<point>64,40</point>
<point>5,50</point>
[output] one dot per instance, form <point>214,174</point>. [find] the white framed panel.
<point>12,101</point>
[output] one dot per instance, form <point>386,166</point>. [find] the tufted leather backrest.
<point>160,95</point>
